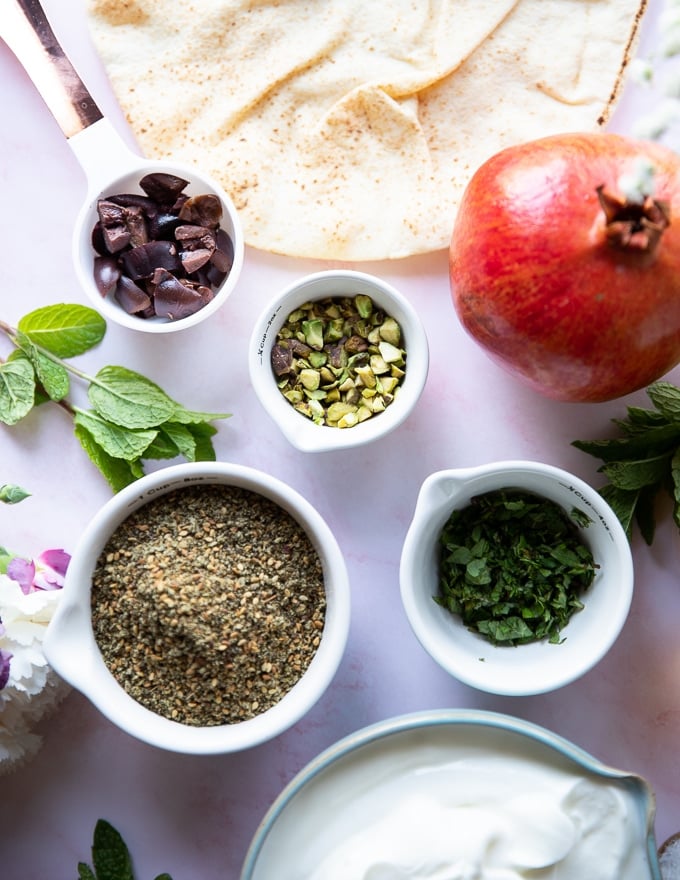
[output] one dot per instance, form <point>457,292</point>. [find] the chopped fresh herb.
<point>643,462</point>
<point>513,566</point>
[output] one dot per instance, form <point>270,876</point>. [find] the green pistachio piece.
<point>367,376</point>
<point>364,304</point>
<point>390,331</point>
<point>336,411</point>
<point>317,359</point>
<point>313,333</point>
<point>390,353</point>
<point>378,365</point>
<point>310,379</point>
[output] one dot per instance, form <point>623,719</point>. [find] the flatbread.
<point>347,130</point>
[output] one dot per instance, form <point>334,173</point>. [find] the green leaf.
<point>10,494</point>
<point>162,446</point>
<point>182,438</point>
<point>5,559</point>
<point>63,329</point>
<point>85,872</point>
<point>636,474</point>
<point>51,375</point>
<point>203,434</point>
<point>623,503</point>
<point>644,514</point>
<point>110,855</point>
<point>666,398</point>
<point>17,390</point>
<point>118,472</point>
<point>163,877</point>
<point>115,441</point>
<point>191,417</point>
<point>653,441</point>
<point>675,476</point>
<point>129,399</point>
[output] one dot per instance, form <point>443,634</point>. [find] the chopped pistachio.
<point>310,379</point>
<point>364,305</point>
<point>378,364</point>
<point>313,333</point>
<point>390,353</point>
<point>390,331</point>
<point>339,360</point>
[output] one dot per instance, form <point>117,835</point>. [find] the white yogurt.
<point>491,810</point>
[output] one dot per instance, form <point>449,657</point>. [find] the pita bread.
<point>348,130</point>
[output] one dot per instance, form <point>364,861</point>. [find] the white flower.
<point>31,688</point>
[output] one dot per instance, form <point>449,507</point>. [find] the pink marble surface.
<point>194,817</point>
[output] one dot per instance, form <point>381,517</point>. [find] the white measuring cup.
<point>109,165</point>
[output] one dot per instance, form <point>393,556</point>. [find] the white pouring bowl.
<point>72,651</point>
<point>110,166</point>
<point>301,432</point>
<point>537,667</point>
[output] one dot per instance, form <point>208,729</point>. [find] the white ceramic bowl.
<point>524,669</point>
<point>128,182</point>
<point>395,763</point>
<point>71,649</point>
<point>300,431</point>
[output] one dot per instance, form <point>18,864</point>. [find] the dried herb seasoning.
<point>513,566</point>
<point>208,604</point>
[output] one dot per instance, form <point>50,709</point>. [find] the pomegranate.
<point>565,277</point>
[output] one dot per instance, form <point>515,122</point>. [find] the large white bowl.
<point>353,784</point>
<point>524,669</point>
<point>71,649</point>
<point>300,431</point>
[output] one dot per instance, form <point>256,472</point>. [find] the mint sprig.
<point>131,420</point>
<point>111,858</point>
<point>643,462</point>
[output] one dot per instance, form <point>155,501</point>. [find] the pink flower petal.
<point>22,571</point>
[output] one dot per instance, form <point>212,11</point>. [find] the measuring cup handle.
<point>28,33</point>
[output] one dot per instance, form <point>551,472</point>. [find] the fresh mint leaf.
<point>193,417</point>
<point>666,398</point>
<point>129,399</point>
<point>675,477</point>
<point>637,474</point>
<point>623,503</point>
<point>652,441</point>
<point>17,390</point>
<point>10,494</point>
<point>51,375</point>
<point>162,447</point>
<point>64,330</point>
<point>182,438</point>
<point>115,441</point>
<point>110,855</point>
<point>118,472</point>
<point>202,434</point>
<point>644,462</point>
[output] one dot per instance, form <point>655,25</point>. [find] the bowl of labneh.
<point>339,358</point>
<point>457,793</point>
<point>516,576</point>
<point>205,610</point>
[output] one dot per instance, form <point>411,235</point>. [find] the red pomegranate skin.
<point>536,283</point>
